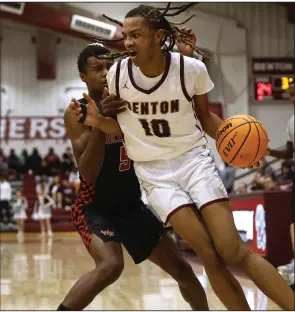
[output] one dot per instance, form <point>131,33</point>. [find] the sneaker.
<point>49,234</point>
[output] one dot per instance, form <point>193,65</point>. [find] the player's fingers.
<point>88,98</point>
<point>78,117</point>
<point>105,93</point>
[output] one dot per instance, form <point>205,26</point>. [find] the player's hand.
<point>184,48</point>
<point>111,106</point>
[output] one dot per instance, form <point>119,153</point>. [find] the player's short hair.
<point>92,50</point>
<point>157,20</point>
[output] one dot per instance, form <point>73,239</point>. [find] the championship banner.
<point>32,128</point>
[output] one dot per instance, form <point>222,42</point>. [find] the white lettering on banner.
<point>57,128</point>
<point>32,128</point>
<point>244,220</point>
<point>2,127</point>
<point>38,126</point>
<point>16,128</point>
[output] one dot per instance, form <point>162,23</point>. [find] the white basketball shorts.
<point>188,179</point>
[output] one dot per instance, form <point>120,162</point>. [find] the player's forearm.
<point>108,125</point>
<point>91,161</point>
<point>282,154</point>
<point>210,124</point>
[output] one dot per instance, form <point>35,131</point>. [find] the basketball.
<point>241,141</point>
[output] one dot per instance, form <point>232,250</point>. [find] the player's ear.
<point>82,76</point>
<point>159,35</point>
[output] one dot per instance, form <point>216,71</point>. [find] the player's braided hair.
<point>157,20</point>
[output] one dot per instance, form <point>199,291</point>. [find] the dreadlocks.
<point>157,20</point>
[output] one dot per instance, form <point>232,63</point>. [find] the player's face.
<point>140,40</point>
<point>95,74</point>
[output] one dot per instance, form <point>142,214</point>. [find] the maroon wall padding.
<point>45,54</point>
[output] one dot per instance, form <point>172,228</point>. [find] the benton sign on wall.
<point>32,128</point>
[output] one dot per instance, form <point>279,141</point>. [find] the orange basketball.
<point>241,141</point>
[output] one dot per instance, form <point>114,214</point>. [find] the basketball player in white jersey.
<point>163,128</point>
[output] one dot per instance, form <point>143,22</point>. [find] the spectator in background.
<point>56,191</point>
<point>67,164</point>
<point>68,194</point>
<point>14,161</point>
<point>270,182</point>
<point>242,189</point>
<point>265,168</point>
<point>74,179</point>
<point>24,161</point>
<point>287,171</point>
<point>227,176</point>
<point>3,162</point>
<point>44,168</point>
<point>52,161</point>
<point>34,161</point>
<point>5,198</point>
<point>258,182</point>
<point>19,207</point>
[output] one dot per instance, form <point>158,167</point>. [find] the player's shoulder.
<point>123,63</point>
<point>190,63</point>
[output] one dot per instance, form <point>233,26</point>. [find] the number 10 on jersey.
<point>157,127</point>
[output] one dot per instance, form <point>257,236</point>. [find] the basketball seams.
<point>258,148</point>
<point>248,122</point>
<point>242,142</point>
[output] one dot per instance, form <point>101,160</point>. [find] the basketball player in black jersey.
<point>108,210</point>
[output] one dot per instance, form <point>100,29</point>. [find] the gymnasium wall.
<point>23,94</point>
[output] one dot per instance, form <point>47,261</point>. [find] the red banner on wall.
<point>32,128</point>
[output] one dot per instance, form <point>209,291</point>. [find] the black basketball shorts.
<point>130,223</point>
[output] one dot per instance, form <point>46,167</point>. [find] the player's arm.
<point>286,153</point>
<point>88,146</point>
<point>209,121</point>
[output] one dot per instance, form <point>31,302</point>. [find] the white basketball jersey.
<point>160,122</point>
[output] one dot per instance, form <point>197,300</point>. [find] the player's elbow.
<point>88,173</point>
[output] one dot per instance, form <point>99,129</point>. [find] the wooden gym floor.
<point>36,275</point>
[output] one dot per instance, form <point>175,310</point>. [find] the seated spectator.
<point>67,164</point>
<point>227,176</point>
<point>68,194</point>
<point>74,179</point>
<point>242,189</point>
<point>270,182</point>
<point>44,168</point>
<point>3,162</point>
<point>258,182</point>
<point>56,191</point>
<point>265,168</point>
<point>24,161</point>
<point>52,161</point>
<point>287,171</point>
<point>34,161</point>
<point>13,161</point>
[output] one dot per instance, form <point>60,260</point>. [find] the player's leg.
<point>109,263</point>
<point>168,257</point>
<point>173,204</point>
<point>207,190</point>
<point>188,223</point>
<point>151,242</point>
<point>102,242</point>
<point>219,220</point>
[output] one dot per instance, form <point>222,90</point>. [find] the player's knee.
<point>183,272</point>
<point>111,269</point>
<point>233,254</point>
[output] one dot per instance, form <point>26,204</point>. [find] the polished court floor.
<point>36,275</point>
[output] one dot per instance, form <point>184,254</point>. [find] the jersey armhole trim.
<point>182,79</point>
<point>118,78</point>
